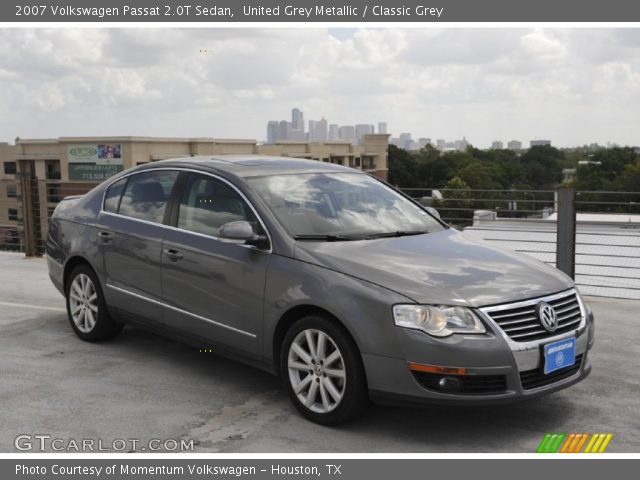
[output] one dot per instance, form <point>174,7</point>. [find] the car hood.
<point>444,267</point>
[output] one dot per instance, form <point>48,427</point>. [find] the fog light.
<point>449,384</point>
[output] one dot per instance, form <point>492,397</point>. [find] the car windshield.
<point>341,206</point>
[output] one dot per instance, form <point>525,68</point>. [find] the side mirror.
<point>241,232</point>
<point>433,212</point>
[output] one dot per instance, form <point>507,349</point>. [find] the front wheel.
<point>86,307</point>
<point>322,370</point>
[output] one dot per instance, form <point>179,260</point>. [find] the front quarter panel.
<point>363,308</point>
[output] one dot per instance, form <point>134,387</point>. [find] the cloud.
<point>574,86</point>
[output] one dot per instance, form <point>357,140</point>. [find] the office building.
<point>540,143</point>
<point>318,130</point>
<point>347,133</point>
<point>35,174</point>
<point>297,119</point>
<point>514,145</point>
<point>333,132</point>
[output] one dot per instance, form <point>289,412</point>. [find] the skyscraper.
<point>318,130</point>
<point>284,130</point>
<point>382,127</point>
<point>362,129</point>
<point>333,132</point>
<point>347,132</point>
<point>273,129</point>
<point>297,119</point>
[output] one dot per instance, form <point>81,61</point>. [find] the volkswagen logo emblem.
<point>547,316</point>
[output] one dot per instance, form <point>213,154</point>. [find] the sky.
<point>573,86</point>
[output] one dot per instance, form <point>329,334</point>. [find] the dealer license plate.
<point>559,355</point>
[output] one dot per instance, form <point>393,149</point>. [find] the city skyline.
<point>318,130</point>
<point>574,86</point>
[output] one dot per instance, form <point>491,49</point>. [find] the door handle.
<point>105,237</point>
<point>172,254</point>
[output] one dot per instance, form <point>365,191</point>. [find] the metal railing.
<point>592,236</point>
<point>34,202</point>
<point>458,206</point>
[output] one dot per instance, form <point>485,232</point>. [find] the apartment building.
<point>37,173</point>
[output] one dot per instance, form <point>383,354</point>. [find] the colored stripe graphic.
<point>581,443</point>
<point>606,441</point>
<point>571,439</point>
<point>550,443</point>
<point>573,442</point>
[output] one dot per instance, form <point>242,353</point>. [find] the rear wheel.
<point>322,371</point>
<point>86,307</point>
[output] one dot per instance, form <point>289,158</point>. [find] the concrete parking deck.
<point>141,386</point>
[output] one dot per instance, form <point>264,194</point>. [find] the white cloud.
<point>574,86</point>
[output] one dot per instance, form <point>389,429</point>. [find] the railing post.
<point>566,232</point>
<point>28,222</point>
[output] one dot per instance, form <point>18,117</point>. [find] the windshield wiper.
<point>327,238</point>
<point>398,233</point>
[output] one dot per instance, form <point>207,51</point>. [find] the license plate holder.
<point>560,354</point>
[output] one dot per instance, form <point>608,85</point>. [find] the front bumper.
<point>500,369</point>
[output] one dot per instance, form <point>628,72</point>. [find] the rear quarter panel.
<point>72,233</point>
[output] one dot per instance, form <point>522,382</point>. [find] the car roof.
<point>254,165</point>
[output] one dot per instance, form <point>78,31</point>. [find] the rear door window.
<point>146,195</point>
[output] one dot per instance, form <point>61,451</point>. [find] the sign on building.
<point>94,162</point>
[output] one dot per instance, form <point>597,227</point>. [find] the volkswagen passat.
<point>321,274</point>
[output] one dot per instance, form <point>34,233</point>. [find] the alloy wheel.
<point>83,303</point>
<point>316,370</point>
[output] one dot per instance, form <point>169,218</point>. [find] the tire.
<point>86,308</point>
<point>340,391</point>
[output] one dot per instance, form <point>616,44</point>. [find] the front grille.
<point>467,384</point>
<point>521,323</point>
<point>536,378</point>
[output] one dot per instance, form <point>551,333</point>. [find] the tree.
<point>543,167</point>
<point>402,168</point>
<point>456,206</point>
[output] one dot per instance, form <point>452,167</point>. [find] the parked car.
<point>321,274</point>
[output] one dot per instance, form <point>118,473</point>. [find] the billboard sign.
<point>94,162</point>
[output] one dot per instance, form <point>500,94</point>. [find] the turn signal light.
<point>419,367</point>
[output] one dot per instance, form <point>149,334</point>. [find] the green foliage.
<point>608,170</point>
<point>538,168</point>
<point>457,203</point>
<point>402,167</point>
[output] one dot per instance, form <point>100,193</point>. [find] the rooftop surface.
<point>143,386</point>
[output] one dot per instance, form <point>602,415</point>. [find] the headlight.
<point>439,321</point>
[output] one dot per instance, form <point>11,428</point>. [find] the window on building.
<point>53,194</point>
<point>13,214</point>
<point>146,195</point>
<point>207,204</point>
<point>53,170</point>
<point>11,191</point>
<point>10,168</point>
